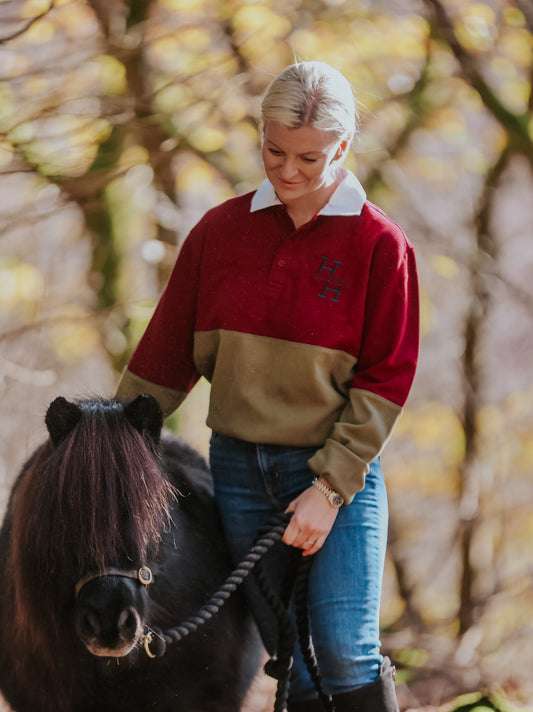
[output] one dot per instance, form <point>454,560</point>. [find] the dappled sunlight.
<point>120,126</point>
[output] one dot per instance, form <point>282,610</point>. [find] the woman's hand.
<point>311,522</point>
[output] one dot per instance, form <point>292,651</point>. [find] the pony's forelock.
<point>111,492</point>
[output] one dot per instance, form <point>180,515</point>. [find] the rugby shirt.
<point>308,336</point>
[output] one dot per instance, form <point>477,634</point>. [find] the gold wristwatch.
<point>334,498</point>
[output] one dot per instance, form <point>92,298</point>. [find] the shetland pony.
<point>103,497</point>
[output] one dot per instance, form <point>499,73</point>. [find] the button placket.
<point>279,267</point>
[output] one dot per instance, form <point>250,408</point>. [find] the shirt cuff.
<point>341,468</point>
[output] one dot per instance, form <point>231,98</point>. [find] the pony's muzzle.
<point>107,635</point>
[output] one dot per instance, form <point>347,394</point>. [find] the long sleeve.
<point>163,363</point>
<point>384,372</point>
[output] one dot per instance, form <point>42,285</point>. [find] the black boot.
<point>378,696</point>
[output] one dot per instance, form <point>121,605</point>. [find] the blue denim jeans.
<point>254,481</point>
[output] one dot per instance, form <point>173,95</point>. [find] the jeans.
<point>254,481</point>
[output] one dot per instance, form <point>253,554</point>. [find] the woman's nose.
<point>288,168</point>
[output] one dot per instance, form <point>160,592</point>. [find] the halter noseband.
<point>144,575</point>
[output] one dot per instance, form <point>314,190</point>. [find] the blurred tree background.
<point>121,122</point>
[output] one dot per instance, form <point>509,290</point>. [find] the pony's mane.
<point>95,500</point>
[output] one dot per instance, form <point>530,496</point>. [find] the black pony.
<point>98,510</point>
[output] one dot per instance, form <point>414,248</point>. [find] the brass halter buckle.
<point>145,575</point>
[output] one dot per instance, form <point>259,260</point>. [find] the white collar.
<point>348,198</point>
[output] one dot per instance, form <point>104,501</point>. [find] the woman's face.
<point>300,161</point>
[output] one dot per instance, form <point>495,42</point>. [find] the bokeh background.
<point>122,122</point>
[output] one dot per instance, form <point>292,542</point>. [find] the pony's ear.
<point>145,415</point>
<point>61,419</point>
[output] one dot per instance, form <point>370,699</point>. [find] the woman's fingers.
<point>291,534</point>
<point>314,547</point>
<point>311,522</point>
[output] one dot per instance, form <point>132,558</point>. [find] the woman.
<point>299,303</point>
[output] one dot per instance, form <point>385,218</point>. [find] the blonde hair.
<point>312,94</point>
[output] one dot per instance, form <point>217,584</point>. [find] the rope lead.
<point>155,641</point>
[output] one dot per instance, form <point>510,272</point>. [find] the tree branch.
<point>29,24</point>
<point>517,125</point>
<point>414,100</point>
<point>470,470</point>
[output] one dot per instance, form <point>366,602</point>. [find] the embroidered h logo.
<point>333,286</point>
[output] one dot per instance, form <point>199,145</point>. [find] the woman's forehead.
<point>305,139</point>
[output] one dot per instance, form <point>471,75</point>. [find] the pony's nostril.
<point>90,624</point>
<point>127,622</point>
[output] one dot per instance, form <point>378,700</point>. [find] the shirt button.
<point>281,263</point>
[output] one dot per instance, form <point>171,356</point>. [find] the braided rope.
<point>301,590</point>
<point>279,666</point>
<point>297,581</point>
<point>156,640</point>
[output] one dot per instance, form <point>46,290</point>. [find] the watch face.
<point>337,500</point>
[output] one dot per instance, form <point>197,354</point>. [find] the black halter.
<point>144,575</point>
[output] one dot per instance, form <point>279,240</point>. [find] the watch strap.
<point>335,499</point>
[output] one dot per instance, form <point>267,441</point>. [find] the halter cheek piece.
<point>144,575</point>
